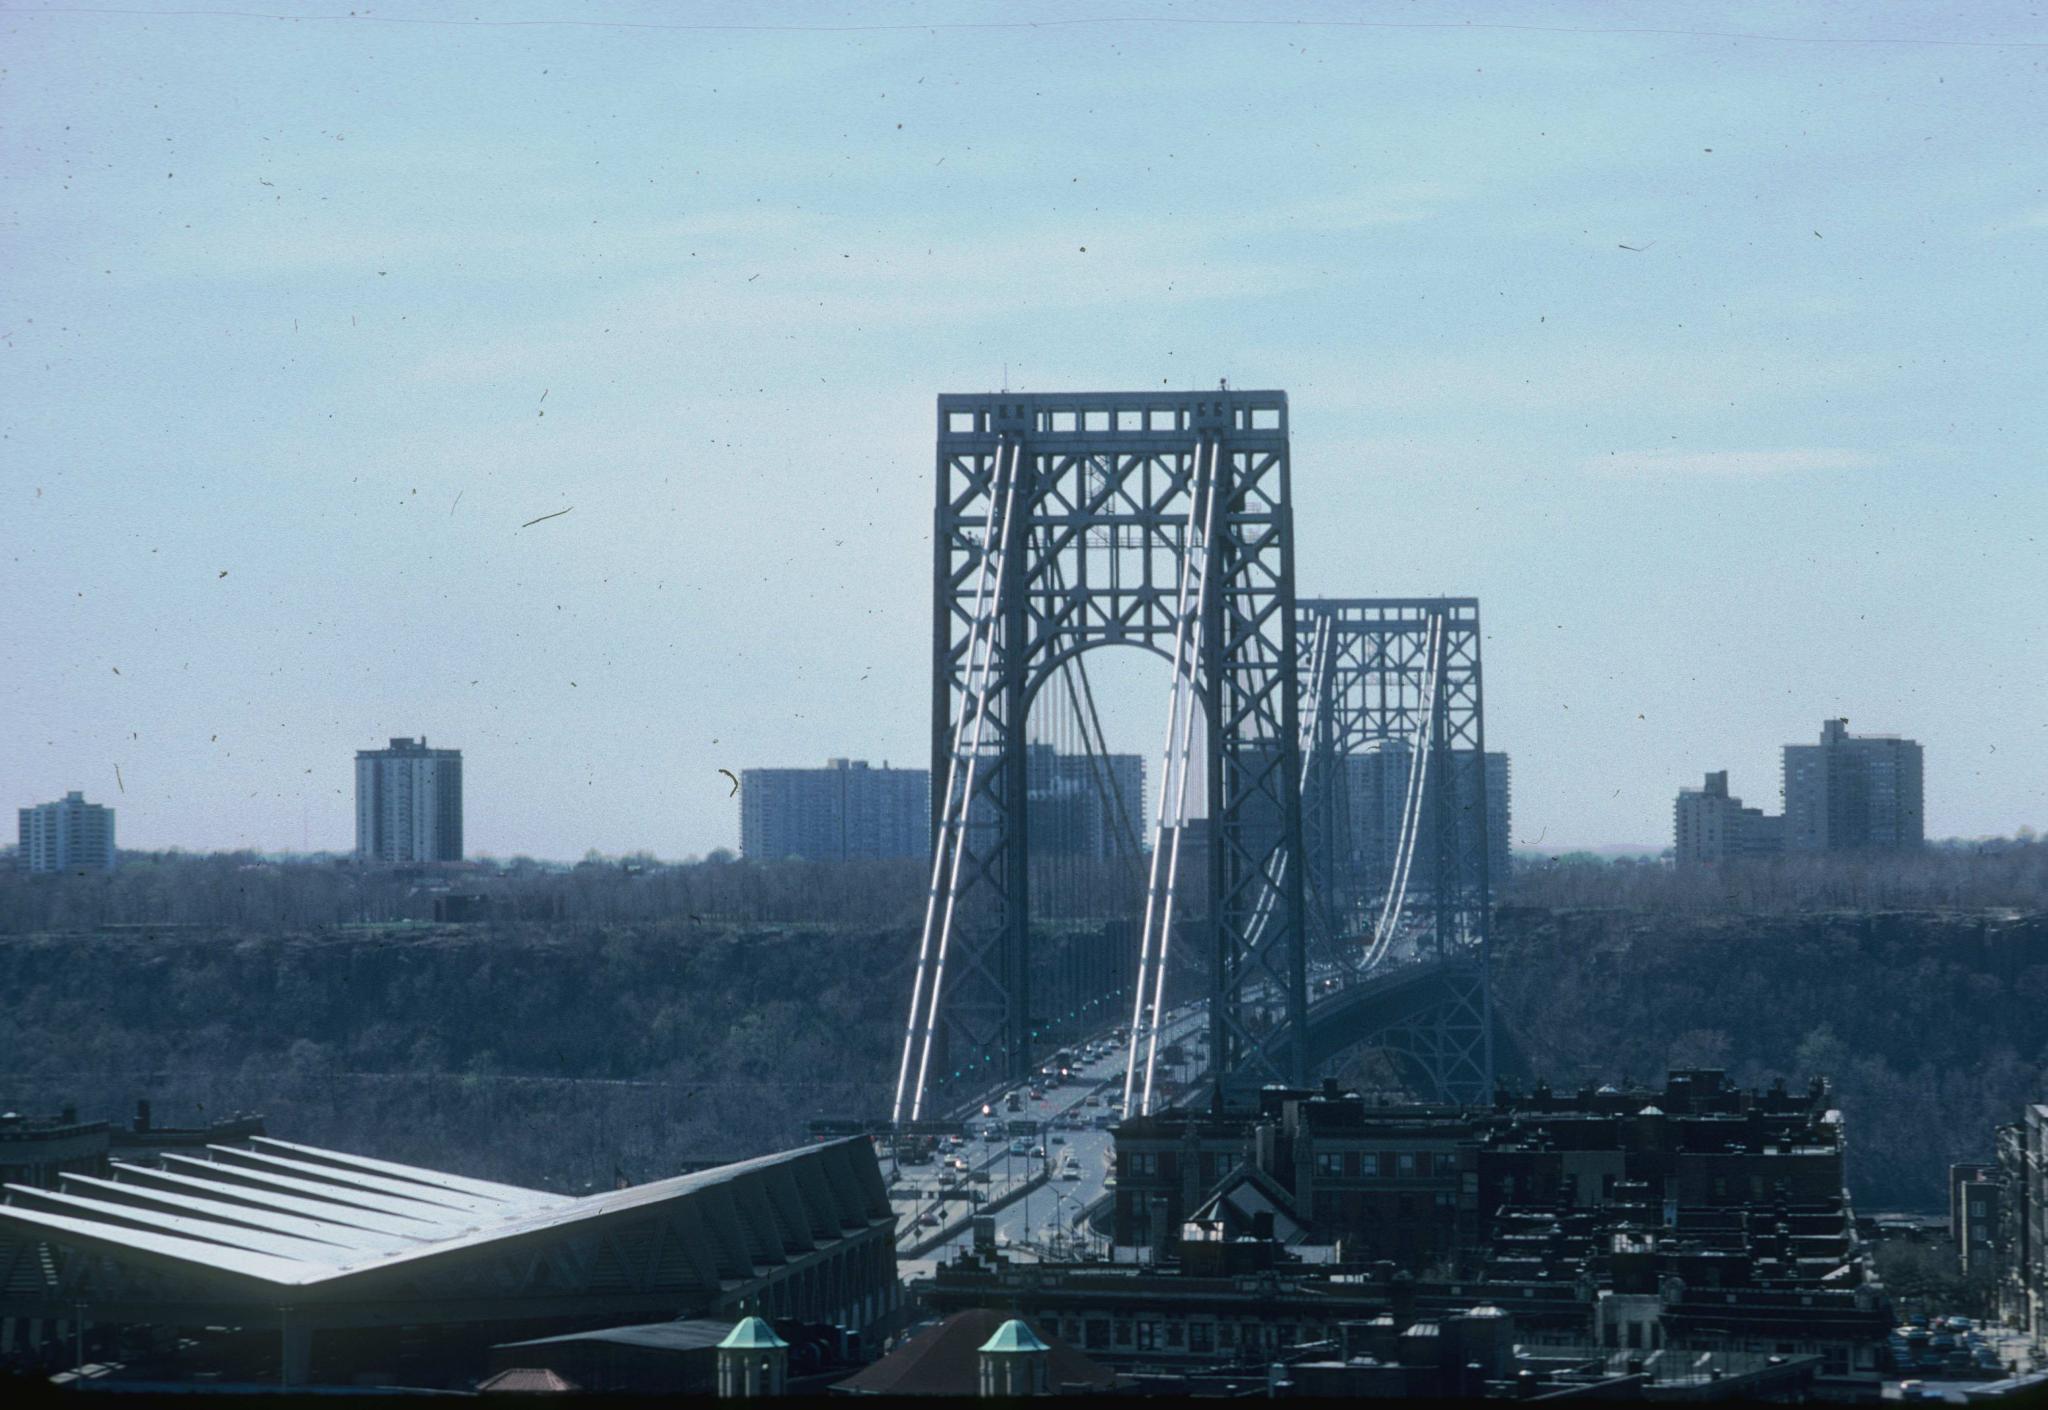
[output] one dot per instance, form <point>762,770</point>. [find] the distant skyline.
<point>1709,362</point>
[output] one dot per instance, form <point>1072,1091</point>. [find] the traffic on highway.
<point>1035,1159</point>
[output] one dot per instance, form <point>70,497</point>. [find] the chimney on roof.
<point>142,1115</point>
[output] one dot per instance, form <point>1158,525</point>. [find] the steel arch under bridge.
<point>1431,1016</point>
<point>1067,522</point>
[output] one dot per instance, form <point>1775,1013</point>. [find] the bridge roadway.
<point>1042,1207</point>
<point>1044,1212</point>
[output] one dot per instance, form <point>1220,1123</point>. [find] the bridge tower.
<point>1061,524</point>
<point>1398,676</point>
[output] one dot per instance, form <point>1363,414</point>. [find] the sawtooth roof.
<point>298,1216</point>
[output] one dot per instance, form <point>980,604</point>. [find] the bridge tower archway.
<point>1087,499</point>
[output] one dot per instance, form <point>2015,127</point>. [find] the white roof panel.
<point>228,1177</point>
<point>114,1238</point>
<point>349,1184</point>
<point>459,1184</point>
<point>409,1230</point>
<point>318,1222</point>
<point>324,1231</point>
<point>199,1229</point>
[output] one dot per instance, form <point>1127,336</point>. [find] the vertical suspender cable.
<point>1411,805</point>
<point>1318,646</point>
<point>1181,739</point>
<point>1196,488</point>
<point>980,650</point>
<point>967,792</point>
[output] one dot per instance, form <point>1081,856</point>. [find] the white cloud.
<point>1727,464</point>
<point>2031,220</point>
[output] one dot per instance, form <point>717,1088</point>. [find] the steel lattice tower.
<point>1376,692</point>
<point>1102,485</point>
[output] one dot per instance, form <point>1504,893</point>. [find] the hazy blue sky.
<point>282,300</point>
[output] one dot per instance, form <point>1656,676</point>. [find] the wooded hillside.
<point>554,1053</point>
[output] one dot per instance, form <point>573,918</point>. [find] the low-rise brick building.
<point>1694,1219</point>
<point>1420,1185</point>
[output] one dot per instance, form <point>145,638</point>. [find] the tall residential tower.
<point>841,811</point>
<point>1710,826</point>
<point>409,803</point>
<point>68,835</point>
<point>1853,792</point>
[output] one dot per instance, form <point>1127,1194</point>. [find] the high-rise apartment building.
<point>1709,826</point>
<point>1376,785</point>
<point>409,803</point>
<point>1852,792</point>
<point>1085,805</point>
<point>842,811</point>
<point>68,835</point>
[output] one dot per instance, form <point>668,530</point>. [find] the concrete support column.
<point>297,1343</point>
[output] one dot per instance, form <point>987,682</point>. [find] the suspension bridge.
<point>1318,823</point>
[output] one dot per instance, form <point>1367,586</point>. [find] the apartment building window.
<point>1369,1164</point>
<point>1405,1164</point>
<point>1141,1163</point>
<point>1329,1163</point>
